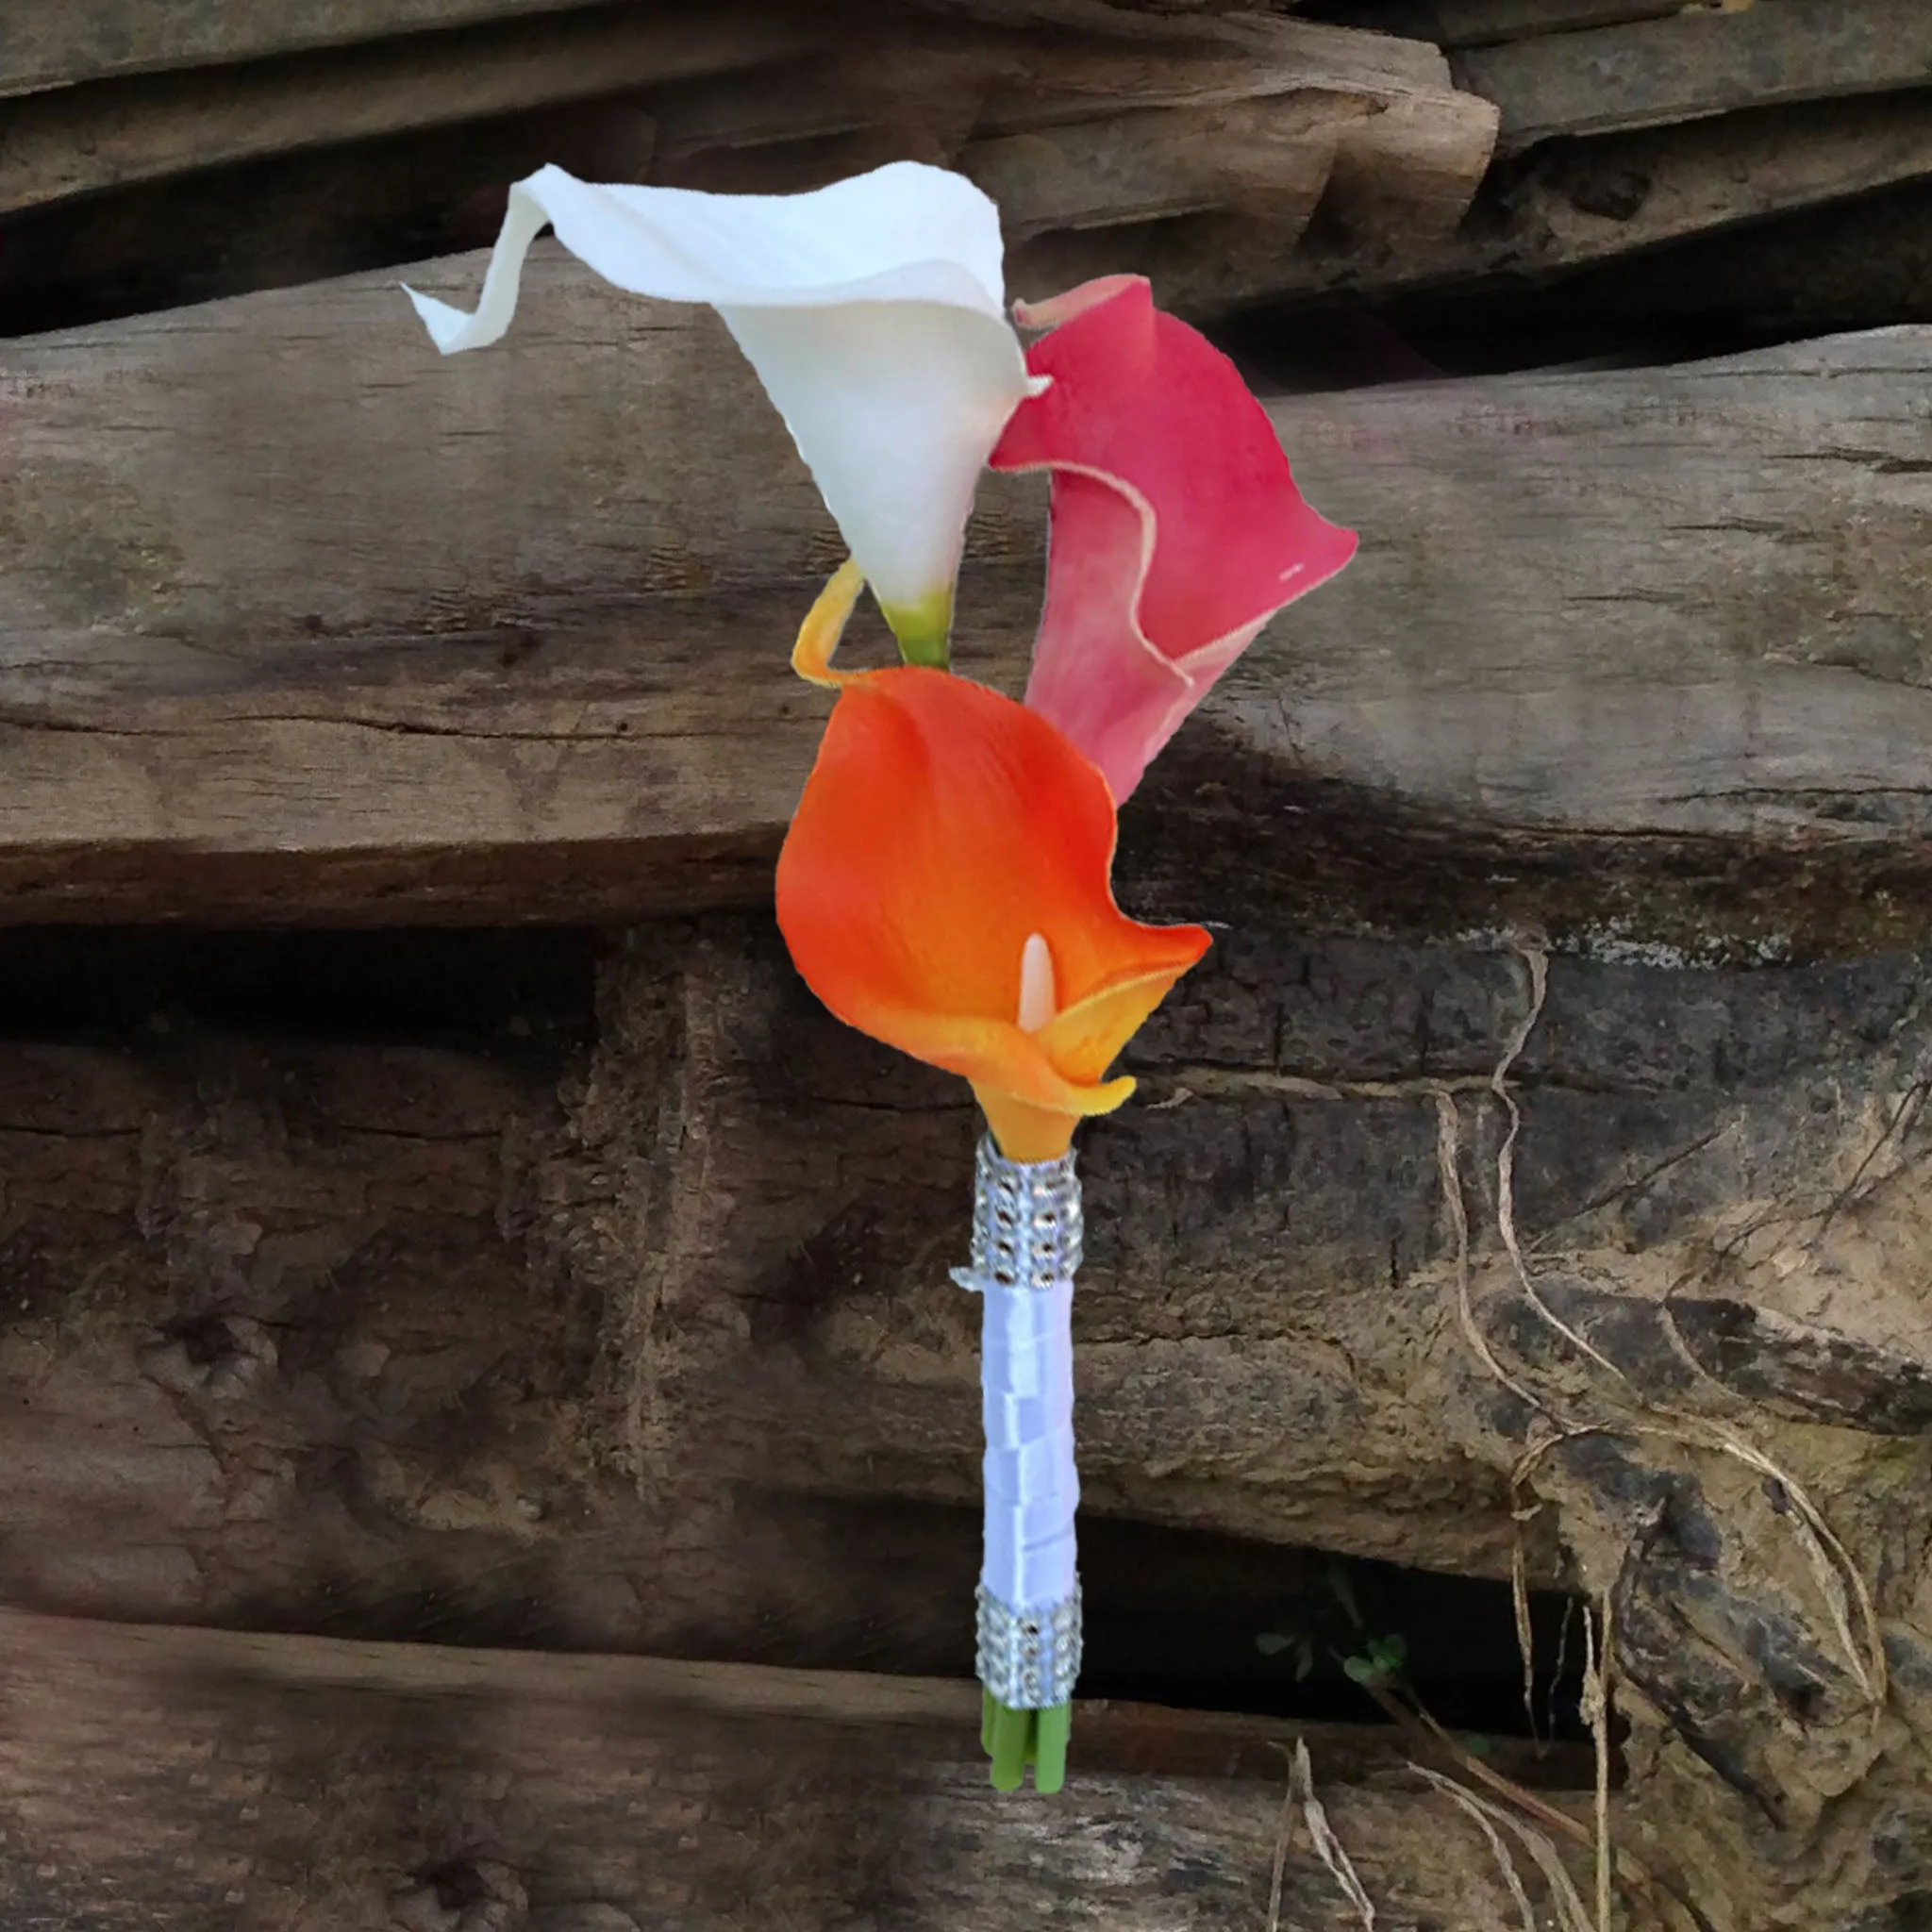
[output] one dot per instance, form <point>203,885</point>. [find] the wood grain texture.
<point>1470,23</point>
<point>1697,61</point>
<point>1570,205</point>
<point>1615,195</point>
<point>85,140</point>
<point>1263,117</point>
<point>642,1340</point>
<point>48,43</point>
<point>1454,24</point>
<point>1157,165</point>
<point>192,1777</point>
<point>322,1253</point>
<point>274,569</point>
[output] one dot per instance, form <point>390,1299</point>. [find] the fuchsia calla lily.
<point>1177,528</point>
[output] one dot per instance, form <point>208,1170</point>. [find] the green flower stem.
<point>1015,1739</point>
<point>1050,1736</point>
<point>923,629</point>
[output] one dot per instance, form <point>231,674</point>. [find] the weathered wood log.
<point>319,1255</point>
<point>1154,166</point>
<point>290,633</point>
<point>1265,120</point>
<point>1800,274</point>
<point>82,140</point>
<point>1572,205</point>
<point>191,1776</point>
<point>900,92</point>
<point>48,43</point>
<point>1482,23</point>
<point>1698,61</point>
<point>378,1339</point>
<point>1393,215</point>
<point>1646,674</point>
<point>1621,193</point>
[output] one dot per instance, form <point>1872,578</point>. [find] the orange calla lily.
<point>945,887</point>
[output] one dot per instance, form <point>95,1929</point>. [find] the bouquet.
<point>946,883</point>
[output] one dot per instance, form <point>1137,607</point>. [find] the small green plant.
<point>1380,1661</point>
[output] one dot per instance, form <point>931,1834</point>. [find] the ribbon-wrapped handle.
<point>1026,1235</point>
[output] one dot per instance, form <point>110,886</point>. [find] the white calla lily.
<point>873,313</point>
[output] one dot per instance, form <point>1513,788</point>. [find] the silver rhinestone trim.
<point>1027,1224</point>
<point>1030,1661</point>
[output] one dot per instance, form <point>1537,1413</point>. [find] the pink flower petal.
<point>1177,531</point>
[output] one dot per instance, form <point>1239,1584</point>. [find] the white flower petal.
<point>873,311</point>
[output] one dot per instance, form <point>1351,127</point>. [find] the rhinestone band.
<point>1029,1662</point>
<point>1027,1222</point>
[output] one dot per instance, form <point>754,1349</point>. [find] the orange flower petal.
<point>1023,1132</point>
<point>942,827</point>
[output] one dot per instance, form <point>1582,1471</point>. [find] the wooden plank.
<point>1410,153</point>
<point>1623,193</point>
<point>1154,166</point>
<point>1477,23</point>
<point>1577,203</point>
<point>932,1721</point>
<point>1074,135</point>
<point>1400,176</point>
<point>1034,82</point>
<point>1455,24</point>
<point>85,140</point>
<point>1699,61</point>
<point>1251,58</point>
<point>260,591</point>
<point>172,1774</point>
<point>1800,276</point>
<point>48,43</point>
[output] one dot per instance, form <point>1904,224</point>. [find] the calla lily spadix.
<point>945,887</point>
<point>873,311</point>
<point>1177,530</point>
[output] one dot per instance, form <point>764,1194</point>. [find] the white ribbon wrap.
<point>1027,1234</point>
<point>1032,1487</point>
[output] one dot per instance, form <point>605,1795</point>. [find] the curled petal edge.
<point>823,628</point>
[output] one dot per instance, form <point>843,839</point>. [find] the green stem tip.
<point>923,629</point>
<point>1015,1739</point>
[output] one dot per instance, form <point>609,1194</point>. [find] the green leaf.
<point>1388,1652</point>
